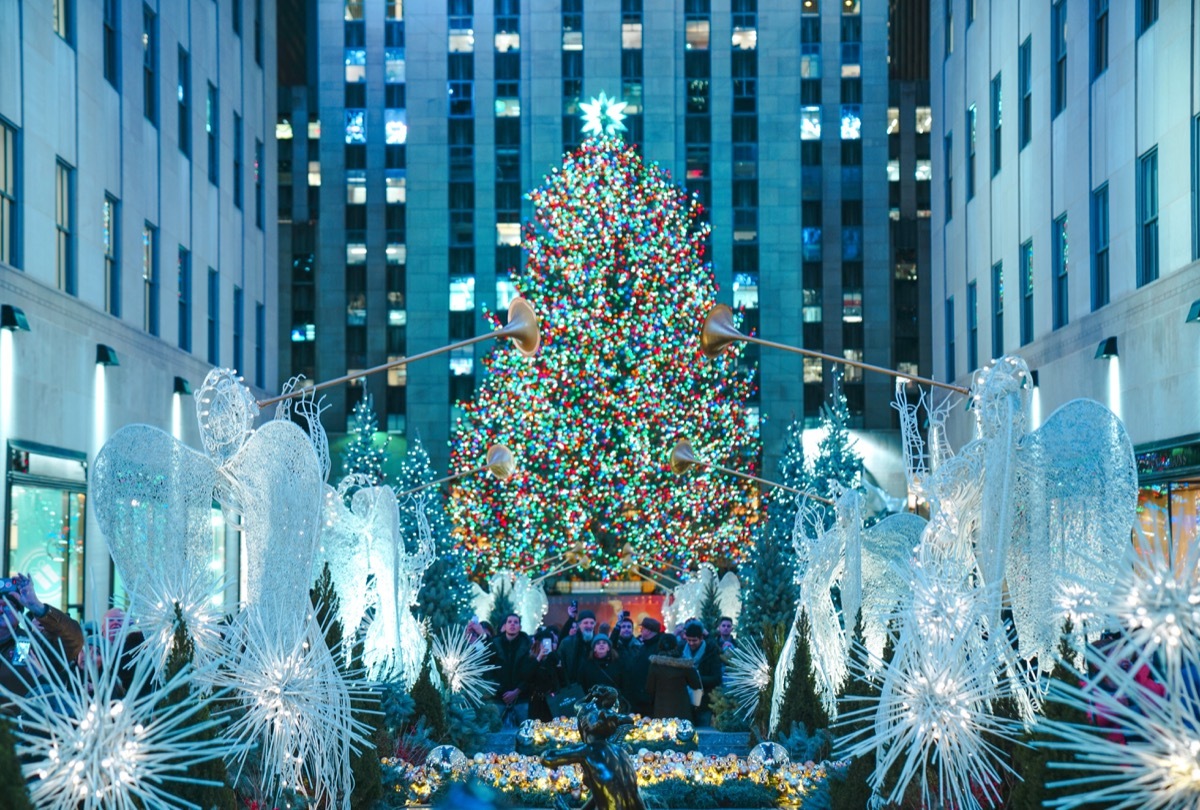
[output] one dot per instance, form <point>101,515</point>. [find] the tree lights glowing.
<point>616,270</point>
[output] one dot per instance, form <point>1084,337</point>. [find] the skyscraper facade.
<point>137,251</point>
<point>418,127</point>
<point>1066,219</point>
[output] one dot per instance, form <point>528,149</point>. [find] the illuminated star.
<point>603,116</point>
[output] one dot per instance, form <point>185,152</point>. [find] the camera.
<point>9,585</point>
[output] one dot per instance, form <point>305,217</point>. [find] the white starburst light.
<point>603,116</point>
<point>98,748</point>
<point>463,664</point>
<point>747,675</point>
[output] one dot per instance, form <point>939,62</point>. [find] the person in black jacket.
<point>602,667</point>
<point>706,653</point>
<point>56,628</point>
<point>637,666</point>
<point>510,654</point>
<point>575,648</point>
<point>669,679</point>
<point>545,676</point>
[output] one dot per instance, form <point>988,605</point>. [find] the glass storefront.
<point>47,504</point>
<point>1168,512</point>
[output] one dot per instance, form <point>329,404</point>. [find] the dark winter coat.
<point>710,668</point>
<point>59,629</point>
<point>637,667</point>
<point>572,652</point>
<point>514,664</point>
<point>544,679</point>
<point>626,647</point>
<point>607,671</point>
<point>667,684</point>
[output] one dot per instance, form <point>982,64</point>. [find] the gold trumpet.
<point>719,332</point>
<point>500,463</point>
<point>683,458</point>
<point>522,329</point>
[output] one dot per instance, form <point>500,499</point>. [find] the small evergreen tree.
<point>219,795</point>
<point>445,597</point>
<point>768,575</point>
<point>773,638</point>
<point>361,456</point>
<point>801,703</point>
<point>365,767</point>
<point>13,792</point>
<point>710,607</point>
<point>837,459</point>
<point>428,703</point>
<point>860,691</point>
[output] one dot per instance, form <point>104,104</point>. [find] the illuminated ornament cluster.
<point>603,116</point>
<point>84,744</point>
<point>616,270</point>
<point>645,731</point>
<point>515,772</point>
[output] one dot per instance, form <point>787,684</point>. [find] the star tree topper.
<point>603,116</point>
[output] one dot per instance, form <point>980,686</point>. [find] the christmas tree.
<point>801,705</point>
<point>859,692</point>
<point>710,607</point>
<point>769,591</point>
<point>445,596</point>
<point>361,456</point>
<point>617,274</point>
<point>838,464</point>
<point>13,793</point>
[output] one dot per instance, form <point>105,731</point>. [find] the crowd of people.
<point>656,673</point>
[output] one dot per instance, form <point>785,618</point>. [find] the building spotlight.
<point>106,355</point>
<point>1107,348</point>
<point>13,318</point>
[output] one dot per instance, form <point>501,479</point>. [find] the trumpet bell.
<point>682,457</point>
<point>500,462</point>
<point>718,331</point>
<point>522,327</point>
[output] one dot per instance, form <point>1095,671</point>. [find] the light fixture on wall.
<point>106,355</point>
<point>182,386</point>
<point>13,318</point>
<point>1194,312</point>
<point>1107,348</point>
<point>1033,378</point>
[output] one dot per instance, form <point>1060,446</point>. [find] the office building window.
<point>1147,11</point>
<point>1147,269</point>
<point>972,327</point>
<point>237,161</point>
<point>214,317</point>
<point>1100,247</point>
<point>150,279</point>
<point>949,34</point>
<point>1025,114</point>
<point>185,298</point>
<point>1026,270</point>
<point>235,15</point>
<point>951,372</point>
<point>112,42</point>
<point>238,318</point>
<point>64,222</point>
<point>1099,37</point>
<point>259,199</point>
<point>998,309</point>
<point>971,117</point>
<point>1059,299</point>
<point>150,64</point>
<point>997,119</point>
<point>260,345</point>
<point>183,94</point>
<point>1195,187</point>
<point>1058,68</point>
<point>8,194</point>
<point>111,224</point>
<point>62,18</point>
<point>212,118</point>
<point>948,150</point>
<point>258,32</point>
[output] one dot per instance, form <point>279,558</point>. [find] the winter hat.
<point>651,624</point>
<point>586,614</point>
<point>693,630</point>
<point>600,637</point>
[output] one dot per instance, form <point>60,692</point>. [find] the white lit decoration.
<point>747,675</point>
<point>86,745</point>
<point>603,116</point>
<point>464,663</point>
<point>687,600</point>
<point>528,598</point>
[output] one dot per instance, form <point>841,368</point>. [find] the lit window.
<point>851,122</point>
<point>283,130</point>
<point>851,60</point>
<point>314,130</point>
<point>508,107</point>
<point>508,41</point>
<point>397,253</point>
<point>462,294</point>
<point>508,233</point>
<point>810,123</point>
<point>893,121</point>
<point>462,40</point>
<point>396,189</point>
<point>356,187</point>
<point>506,291</point>
<point>924,120</point>
<point>814,370</point>
<point>893,170</point>
<point>356,309</point>
<point>304,333</point>
<point>853,373</point>
<point>810,60</point>
<point>745,290</point>
<point>462,362</point>
<point>852,301</point>
<point>356,65</point>
<point>572,41</point>
<point>696,35</point>
<point>314,173</point>
<point>356,126</point>
<point>924,170</point>
<point>397,317</point>
<point>810,244</point>
<point>397,375</point>
<point>356,253</point>
<point>393,65</point>
<point>745,38</point>
<point>395,126</point>
<point>631,36</point>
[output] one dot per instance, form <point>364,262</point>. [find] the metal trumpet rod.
<point>683,458</point>
<point>500,463</point>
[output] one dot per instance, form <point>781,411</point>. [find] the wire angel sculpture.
<point>527,596</point>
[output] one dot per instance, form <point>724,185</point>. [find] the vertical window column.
<point>972,326</point>
<point>184,95</point>
<point>150,65</point>
<point>150,295</point>
<point>1026,281</point>
<point>632,69</point>
<point>1147,209</point>
<point>998,309</point>
<point>698,121</point>
<point>1100,246</point>
<point>1060,302</point>
<point>112,43</point>
<point>461,195</point>
<point>8,194</point>
<point>64,222</point>
<point>997,120</point>
<point>111,223</point>
<point>214,317</point>
<point>572,73</point>
<point>1058,56</point>
<point>238,146</point>
<point>212,118</point>
<point>1025,113</point>
<point>395,122</point>
<point>744,69</point>
<point>508,146</point>
<point>185,298</point>
<point>239,316</point>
